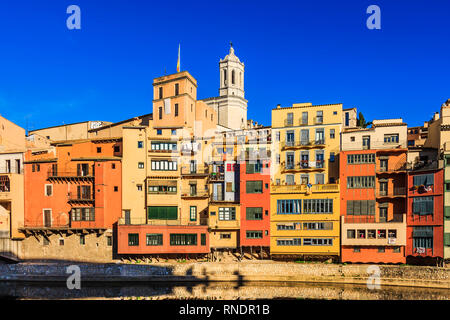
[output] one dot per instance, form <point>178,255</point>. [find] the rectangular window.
<point>193,213</point>
<point>164,165</point>
<point>317,226</point>
<point>48,190</point>
<point>176,109</point>
<point>182,239</point>
<point>361,158</point>
<point>83,214</point>
<point>289,206</point>
<point>423,205</point>
<point>82,240</point>
<point>203,239</point>
<point>109,241</point>
<point>332,134</point>
<point>361,182</point>
<point>227,213</point>
<point>423,179</point>
<point>391,138</point>
<point>289,242</point>
<point>140,144</point>
<point>361,207</point>
<point>177,89</point>
<point>254,213</point>
<point>254,234</point>
<point>351,234</point>
<point>317,206</point>
<point>160,112</point>
<point>225,236</point>
<point>317,242</point>
<point>160,92</point>
<point>154,239</point>
<point>254,186</point>
<point>162,213</point>
<point>141,165</point>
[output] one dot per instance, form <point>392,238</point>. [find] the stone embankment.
<point>243,272</point>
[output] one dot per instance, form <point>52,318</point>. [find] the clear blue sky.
<point>294,51</point>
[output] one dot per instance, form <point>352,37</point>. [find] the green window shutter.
<point>447,239</point>
<point>350,207</point>
<point>171,213</point>
<point>447,212</point>
<point>203,239</point>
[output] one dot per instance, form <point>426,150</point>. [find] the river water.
<point>218,291</point>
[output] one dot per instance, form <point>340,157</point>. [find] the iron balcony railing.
<point>288,122</point>
<point>303,188</point>
<point>189,193</point>
<point>303,143</point>
<point>201,221</point>
<point>73,196</point>
<point>194,170</point>
<point>396,191</point>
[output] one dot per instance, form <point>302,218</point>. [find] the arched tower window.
<point>232,77</point>
<point>240,79</point>
<point>224,77</point>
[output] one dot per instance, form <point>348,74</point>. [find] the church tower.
<point>231,105</point>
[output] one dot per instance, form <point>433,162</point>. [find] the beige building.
<point>73,131</point>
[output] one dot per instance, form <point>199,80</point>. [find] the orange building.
<point>373,167</point>
<point>73,190</point>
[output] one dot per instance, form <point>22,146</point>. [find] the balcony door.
<point>320,136</point>
<point>304,159</point>
<point>290,160</point>
<point>47,218</point>
<point>383,214</point>
<point>304,138</point>
<point>290,138</point>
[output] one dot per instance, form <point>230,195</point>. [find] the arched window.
<point>224,77</point>
<point>240,79</point>
<point>232,77</point>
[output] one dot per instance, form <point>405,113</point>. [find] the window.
<point>288,206</point>
<point>116,188</point>
<point>229,187</point>
<point>347,119</point>
<point>396,250</point>
<point>133,239</point>
<point>352,139</point>
<point>160,112</point>
<point>332,134</point>
<point>99,150</point>
<point>154,239</point>
<point>289,242</point>
<point>48,190</point>
<point>116,149</point>
<point>381,249</point>
<point>164,165</point>
<point>61,242</point>
<point>159,132</point>
<point>361,234</point>
<point>160,92</point>
<point>317,206</point>
<point>317,226</point>
<point>319,117</point>
<point>45,241</point>
<point>381,234</point>
<point>254,213</point>
<point>180,239</point>
<point>140,144</point>
<point>163,146</point>
<point>356,249</point>
<point>391,138</point>
<point>225,236</point>
<point>162,189</point>
<point>139,187</point>
<point>361,182</point>
<point>174,132</point>
<point>227,213</point>
<point>289,226</point>
<point>253,167</point>
<point>320,178</point>
<point>371,234</point>
<point>423,205</point>
<point>203,239</point>
<point>423,237</point>
<point>351,234</point>
<point>423,179</point>
<point>193,213</point>
<point>83,214</point>
<point>332,156</point>
<point>317,242</point>
<point>361,207</point>
<point>162,213</point>
<point>392,234</point>
<point>304,118</point>
<point>254,186</point>
<point>254,234</point>
<point>82,239</point>
<point>109,241</point>
<point>177,89</point>
<point>113,165</point>
<point>277,136</point>
<point>176,109</point>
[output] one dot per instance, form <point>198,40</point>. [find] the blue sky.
<point>294,51</point>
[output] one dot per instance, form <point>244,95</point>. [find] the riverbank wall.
<point>239,272</point>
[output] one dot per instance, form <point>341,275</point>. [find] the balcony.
<point>288,122</point>
<point>80,198</point>
<point>84,174</point>
<point>302,188</point>
<point>303,144</point>
<point>304,165</point>
<point>217,176</point>
<point>5,187</point>
<point>224,224</point>
<point>255,155</point>
<point>397,192</point>
<point>152,222</point>
<point>186,194</point>
<point>195,171</point>
<point>401,168</point>
<point>302,122</point>
<point>318,120</point>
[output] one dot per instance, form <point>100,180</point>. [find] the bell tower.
<point>231,75</point>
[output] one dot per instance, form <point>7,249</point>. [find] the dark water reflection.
<point>251,290</point>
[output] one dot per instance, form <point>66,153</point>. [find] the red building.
<point>373,205</point>
<point>425,230</point>
<point>255,205</point>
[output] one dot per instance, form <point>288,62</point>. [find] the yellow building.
<point>305,192</point>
